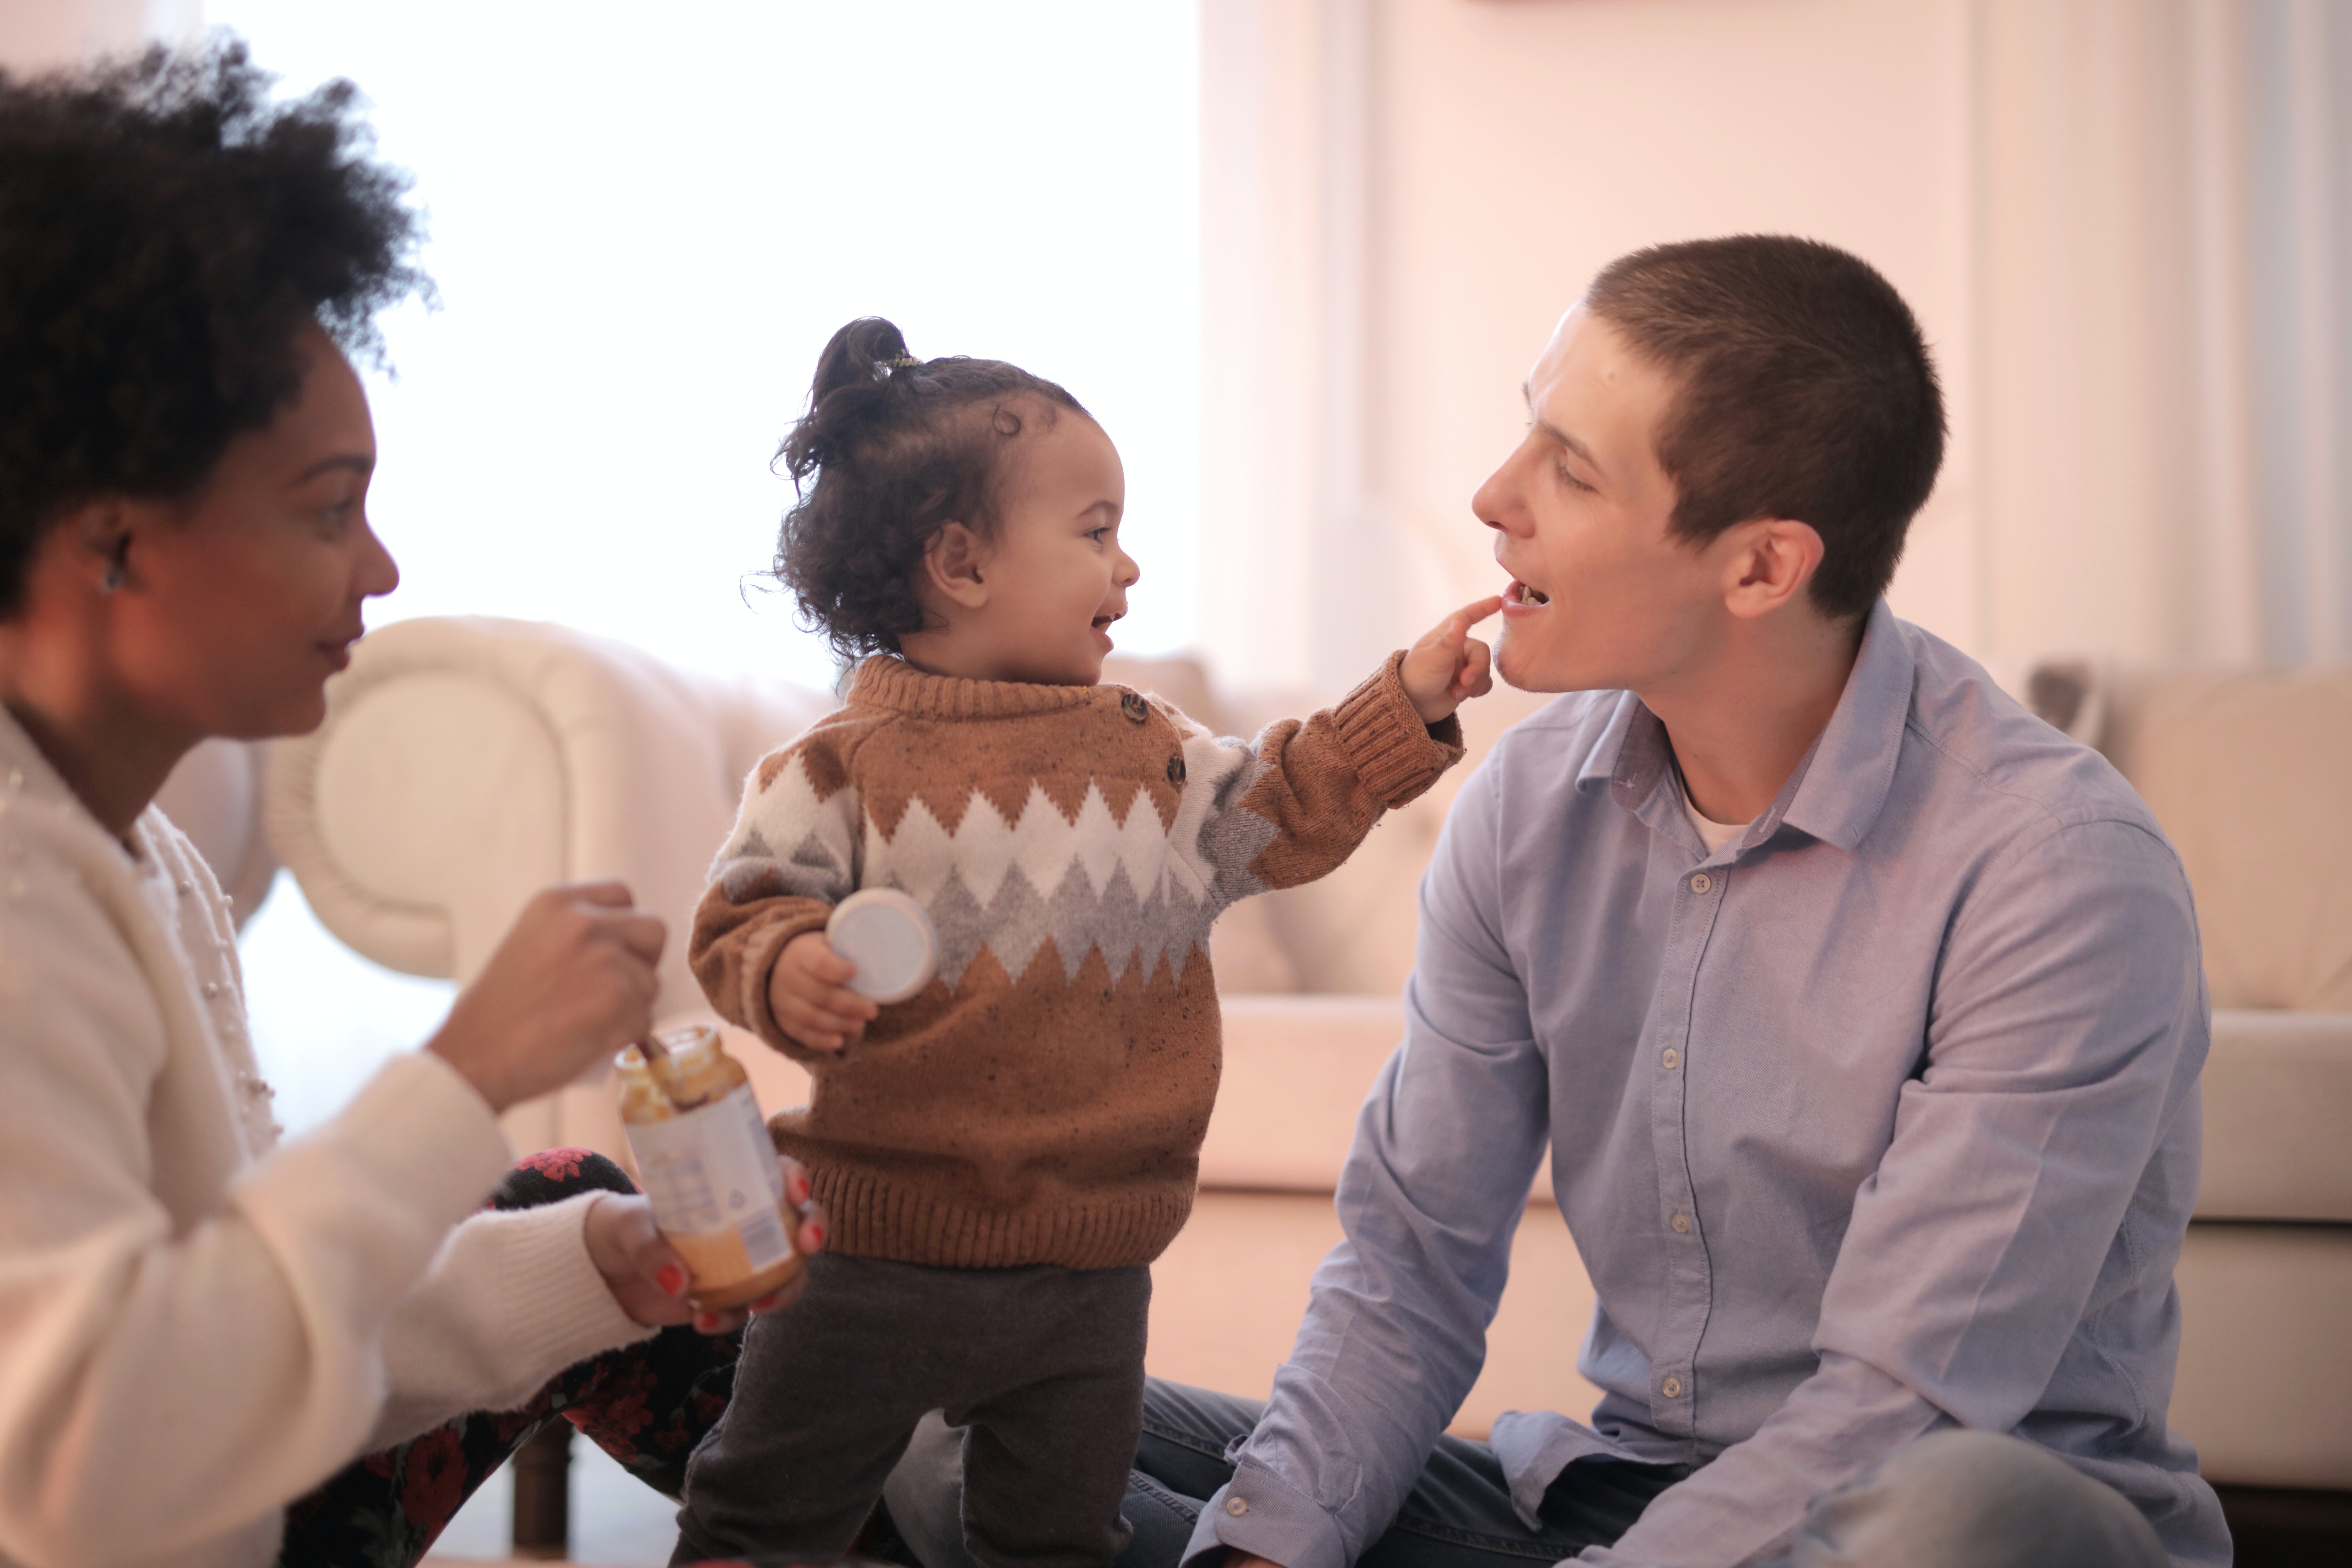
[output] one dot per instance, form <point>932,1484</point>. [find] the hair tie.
<point>904,362</point>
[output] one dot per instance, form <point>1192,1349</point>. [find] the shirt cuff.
<point>1259,1512</point>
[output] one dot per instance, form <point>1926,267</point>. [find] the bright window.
<point>646,221</point>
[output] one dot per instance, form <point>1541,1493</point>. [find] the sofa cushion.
<point>2264,1370</point>
<point>2250,774</point>
<point>2278,1118</point>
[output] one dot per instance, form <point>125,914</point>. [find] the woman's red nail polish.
<point>813,1232</point>
<point>671,1278</point>
<point>799,1188</point>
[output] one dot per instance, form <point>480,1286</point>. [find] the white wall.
<point>1509,149</point>
<point>2123,223</point>
<point>40,35</point>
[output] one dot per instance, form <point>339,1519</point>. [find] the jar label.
<point>713,1170</point>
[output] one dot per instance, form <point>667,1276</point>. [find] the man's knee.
<point>1975,1499</point>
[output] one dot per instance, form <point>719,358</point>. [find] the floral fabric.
<point>646,1405</point>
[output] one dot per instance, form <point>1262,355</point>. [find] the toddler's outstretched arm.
<point>1291,805</point>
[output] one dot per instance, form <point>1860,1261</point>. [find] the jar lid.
<point>890,938</point>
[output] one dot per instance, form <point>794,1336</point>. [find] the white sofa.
<point>465,762</point>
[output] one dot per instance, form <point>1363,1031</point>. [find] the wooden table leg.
<point>542,1493</point>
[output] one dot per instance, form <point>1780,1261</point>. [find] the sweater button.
<point>1176,770</point>
<point>1134,707</point>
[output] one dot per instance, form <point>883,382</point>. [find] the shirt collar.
<point>1837,790</point>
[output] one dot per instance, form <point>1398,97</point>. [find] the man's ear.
<point>1769,563</point>
<point>955,562</point>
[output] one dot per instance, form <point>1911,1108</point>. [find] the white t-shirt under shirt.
<point>1714,835</point>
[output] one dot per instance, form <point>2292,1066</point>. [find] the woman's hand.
<point>649,1279</point>
<point>808,992</point>
<point>572,984</point>
<point>1449,665</point>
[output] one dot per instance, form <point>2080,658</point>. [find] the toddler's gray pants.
<point>1043,1366</point>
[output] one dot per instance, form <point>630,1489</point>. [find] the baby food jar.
<point>708,1166</point>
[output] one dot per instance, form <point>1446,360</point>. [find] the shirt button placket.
<point>1690,1278</point>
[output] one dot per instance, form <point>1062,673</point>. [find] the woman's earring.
<point>113,579</point>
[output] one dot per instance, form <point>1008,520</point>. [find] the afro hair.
<point>166,233</point>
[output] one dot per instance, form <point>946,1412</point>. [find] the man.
<point>1861,1012</point>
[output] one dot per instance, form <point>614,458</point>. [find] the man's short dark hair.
<point>166,232</point>
<point>1803,390</point>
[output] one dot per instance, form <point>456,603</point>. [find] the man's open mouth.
<point>1521,594</point>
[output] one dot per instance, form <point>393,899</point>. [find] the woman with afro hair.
<point>217,1346</point>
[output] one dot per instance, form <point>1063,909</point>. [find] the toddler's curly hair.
<point>166,232</point>
<point>891,450</point>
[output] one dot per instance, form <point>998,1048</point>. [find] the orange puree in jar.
<point>705,1162</point>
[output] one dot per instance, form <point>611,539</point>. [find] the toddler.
<point>1004,1153</point>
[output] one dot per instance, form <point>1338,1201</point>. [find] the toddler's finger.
<point>809,1026</point>
<point>853,1008</point>
<point>1457,625</point>
<point>845,1009</point>
<point>832,967</point>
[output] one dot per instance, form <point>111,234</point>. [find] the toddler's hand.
<point>1449,665</point>
<point>808,992</point>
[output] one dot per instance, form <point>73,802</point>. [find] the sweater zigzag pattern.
<point>1044,1098</point>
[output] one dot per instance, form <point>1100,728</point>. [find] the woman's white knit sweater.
<point>197,1323</point>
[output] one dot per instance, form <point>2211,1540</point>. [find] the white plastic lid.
<point>889,938</point>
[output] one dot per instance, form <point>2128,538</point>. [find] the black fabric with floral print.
<point>646,1404</point>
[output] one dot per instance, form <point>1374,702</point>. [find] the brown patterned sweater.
<point>1044,1099</point>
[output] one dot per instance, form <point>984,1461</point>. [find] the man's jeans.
<point>1953,1499</point>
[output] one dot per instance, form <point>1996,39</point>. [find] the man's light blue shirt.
<point>1882,1117</point>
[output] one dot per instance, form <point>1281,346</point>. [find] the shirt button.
<point>1682,1224</point>
<point>1671,1388</point>
<point>1671,1059</point>
<point>1133,706</point>
<point>1236,1507</point>
<point>212,989</point>
<point>1701,883</point>
<point>186,886</point>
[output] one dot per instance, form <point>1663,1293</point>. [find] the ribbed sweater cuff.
<point>560,1310</point>
<point>1395,753</point>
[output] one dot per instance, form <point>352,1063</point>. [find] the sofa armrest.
<point>467,762</point>
<point>2278,1101</point>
